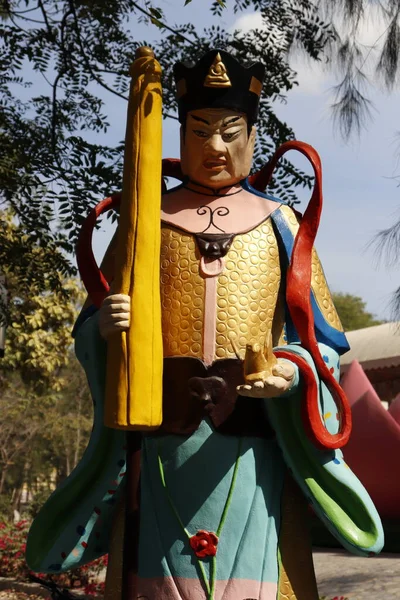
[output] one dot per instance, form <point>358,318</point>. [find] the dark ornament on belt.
<point>193,391</point>
<point>212,393</point>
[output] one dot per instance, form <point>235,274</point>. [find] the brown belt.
<point>193,391</point>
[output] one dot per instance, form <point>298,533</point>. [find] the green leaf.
<point>156,13</point>
<point>157,23</point>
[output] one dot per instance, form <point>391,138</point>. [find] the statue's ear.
<point>252,136</point>
<point>250,148</point>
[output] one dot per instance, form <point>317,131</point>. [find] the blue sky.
<point>360,196</point>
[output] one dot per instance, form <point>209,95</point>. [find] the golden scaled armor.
<point>242,304</point>
<point>245,302</point>
<point>318,282</point>
<point>182,294</point>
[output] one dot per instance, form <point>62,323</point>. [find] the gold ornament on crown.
<point>217,74</point>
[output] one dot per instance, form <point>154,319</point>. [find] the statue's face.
<point>216,149</point>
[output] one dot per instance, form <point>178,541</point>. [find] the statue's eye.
<point>228,136</point>
<point>200,133</point>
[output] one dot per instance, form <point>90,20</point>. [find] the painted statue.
<point>253,417</point>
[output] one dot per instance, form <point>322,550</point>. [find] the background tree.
<point>45,406</point>
<point>19,423</point>
<point>43,429</point>
<point>51,172</point>
<point>69,421</point>
<point>40,321</point>
<point>361,68</point>
<point>352,312</point>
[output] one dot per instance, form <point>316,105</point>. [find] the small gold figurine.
<point>259,361</point>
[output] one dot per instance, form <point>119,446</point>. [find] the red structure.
<point>394,409</point>
<point>373,451</point>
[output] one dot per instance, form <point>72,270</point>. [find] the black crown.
<point>218,80</point>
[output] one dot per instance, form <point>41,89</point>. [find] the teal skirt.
<point>213,483</point>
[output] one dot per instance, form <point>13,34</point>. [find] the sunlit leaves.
<point>38,336</point>
<point>352,312</point>
<point>156,12</point>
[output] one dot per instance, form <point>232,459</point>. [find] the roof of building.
<point>374,347</point>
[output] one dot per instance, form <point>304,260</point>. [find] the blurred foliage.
<point>39,320</point>
<point>43,434</point>
<point>386,244</point>
<point>88,579</point>
<point>39,335</point>
<point>6,511</point>
<point>37,502</point>
<point>45,405</point>
<point>30,264</point>
<point>352,312</point>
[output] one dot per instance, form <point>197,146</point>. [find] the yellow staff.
<point>134,358</point>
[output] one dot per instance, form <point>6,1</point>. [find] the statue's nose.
<point>215,144</point>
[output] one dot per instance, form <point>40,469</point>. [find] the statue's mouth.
<point>214,165</point>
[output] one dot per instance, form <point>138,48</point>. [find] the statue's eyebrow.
<point>230,121</point>
<point>200,119</point>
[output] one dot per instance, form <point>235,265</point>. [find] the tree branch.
<point>153,18</point>
<point>23,12</point>
<point>62,39</point>
<point>54,112</point>
<point>85,58</point>
<point>15,24</point>
<point>31,20</point>
<point>41,6</point>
